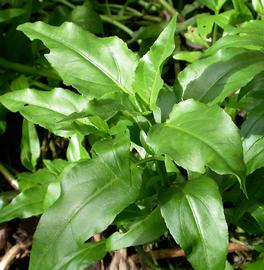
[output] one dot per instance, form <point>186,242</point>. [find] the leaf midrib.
<point>204,142</point>
<point>77,210</point>
<point>86,57</point>
<point>199,229</point>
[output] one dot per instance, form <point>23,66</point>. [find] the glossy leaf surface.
<point>95,66</point>
<point>148,81</point>
<point>197,135</point>
<point>213,78</point>
<point>252,132</point>
<point>195,218</point>
<point>31,202</point>
<point>85,255</point>
<point>75,150</point>
<point>142,232</point>
<point>48,109</point>
<point>93,193</point>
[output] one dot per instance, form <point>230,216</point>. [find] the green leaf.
<point>41,177</point>
<point>10,13</point>
<point>74,53</point>
<point>254,89</point>
<point>19,83</point>
<point>30,145</point>
<point>148,81</point>
<point>93,193</point>
<point>75,150</point>
<point>85,255</point>
<point>195,218</point>
<point>31,202</point>
<point>205,23</point>
<point>241,7</point>
<point>213,78</point>
<point>195,136</point>
<point>258,5</point>
<point>258,265</point>
<point>148,229</point>
<point>187,56</point>
<point>48,109</point>
<point>258,215</point>
<point>86,17</point>
<point>214,5</point>
<point>248,35</point>
<point>252,132</point>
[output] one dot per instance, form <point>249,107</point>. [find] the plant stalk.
<point>168,7</point>
<point>117,24</point>
<point>5,64</point>
<point>9,177</point>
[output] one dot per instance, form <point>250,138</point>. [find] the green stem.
<point>117,24</point>
<point>215,33</point>
<point>168,7</point>
<point>9,177</point>
<point>145,160</point>
<point>40,85</point>
<point>66,3</point>
<point>5,64</point>
<point>162,172</point>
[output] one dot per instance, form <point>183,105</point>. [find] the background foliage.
<point>134,126</point>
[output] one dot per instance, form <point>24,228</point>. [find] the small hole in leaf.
<point>25,105</point>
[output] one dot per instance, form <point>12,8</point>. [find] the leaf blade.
<point>74,53</point>
<point>95,182</point>
<point>205,239</point>
<point>148,81</point>
<point>198,133</point>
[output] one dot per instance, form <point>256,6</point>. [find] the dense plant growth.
<point>144,138</point>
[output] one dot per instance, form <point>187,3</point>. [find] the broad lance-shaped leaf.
<point>252,132</point>
<point>31,202</point>
<point>213,78</point>
<point>249,35</point>
<point>93,193</point>
<point>198,135</point>
<point>195,217</point>
<point>30,145</point>
<point>49,109</point>
<point>148,229</point>
<point>95,66</point>
<point>148,81</point>
<point>38,191</point>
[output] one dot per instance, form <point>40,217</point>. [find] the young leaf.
<point>252,132</point>
<point>248,35</point>
<point>93,193</point>
<point>75,150</point>
<point>148,81</point>
<point>214,5</point>
<point>10,13</point>
<point>195,218</point>
<point>213,78</point>
<point>47,109</point>
<point>95,66</point>
<point>148,229</point>
<point>30,145</point>
<point>197,135</point>
<point>258,214</point>
<point>31,202</point>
